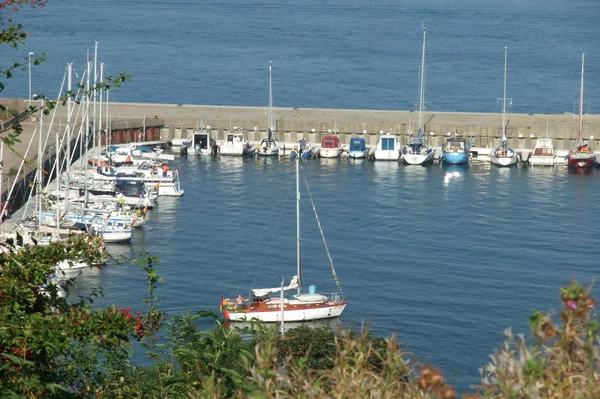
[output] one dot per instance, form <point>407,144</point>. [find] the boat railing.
<point>335,297</point>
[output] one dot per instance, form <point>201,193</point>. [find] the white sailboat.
<point>581,156</point>
<point>417,152</point>
<point>504,155</point>
<point>269,146</point>
<point>301,306</point>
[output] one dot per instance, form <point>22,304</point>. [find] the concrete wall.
<point>178,121</point>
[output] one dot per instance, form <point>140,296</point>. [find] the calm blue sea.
<point>446,257</point>
<point>326,54</point>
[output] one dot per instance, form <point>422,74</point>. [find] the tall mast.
<point>421,82</point>
<point>58,183</point>
<point>270,99</point>
<point>504,101</point>
<point>40,171</point>
<point>100,115</point>
<point>579,132</point>
<point>95,94</point>
<point>299,244</point>
<point>69,155</point>
<point>87,131</point>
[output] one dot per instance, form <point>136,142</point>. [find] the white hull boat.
<point>302,307</point>
<point>269,147</point>
<point>544,153</point>
<point>235,144</point>
<point>417,152</point>
<point>387,148</point>
<point>504,155</point>
<point>69,270</point>
<point>200,143</point>
<point>320,310</point>
<point>511,158</point>
<point>418,159</point>
<point>330,152</point>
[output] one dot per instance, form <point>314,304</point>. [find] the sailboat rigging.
<point>417,152</point>
<point>504,155</point>
<point>302,306</point>
<point>582,156</point>
<point>269,146</point>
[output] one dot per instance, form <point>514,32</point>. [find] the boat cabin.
<point>415,145</point>
<point>201,140</point>
<point>543,148</point>
<point>456,144</point>
<point>388,143</point>
<point>357,144</point>
<point>235,136</point>
<point>330,142</point>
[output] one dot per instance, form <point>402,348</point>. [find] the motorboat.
<point>357,148</point>
<point>544,153</point>
<point>387,148</point>
<point>330,147</point>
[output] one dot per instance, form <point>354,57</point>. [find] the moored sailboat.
<point>582,156</point>
<point>504,155</point>
<point>269,146</point>
<point>417,152</point>
<point>300,307</point>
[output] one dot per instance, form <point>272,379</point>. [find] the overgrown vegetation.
<point>50,347</point>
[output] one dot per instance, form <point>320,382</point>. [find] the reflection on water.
<point>334,323</point>
<point>449,176</point>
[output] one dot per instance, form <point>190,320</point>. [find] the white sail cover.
<point>265,291</point>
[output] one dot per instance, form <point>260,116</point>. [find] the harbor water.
<point>446,257</point>
<point>333,54</point>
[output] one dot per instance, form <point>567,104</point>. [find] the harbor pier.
<point>139,122</point>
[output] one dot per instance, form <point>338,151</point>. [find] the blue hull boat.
<point>456,150</point>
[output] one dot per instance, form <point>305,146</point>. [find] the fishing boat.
<point>456,150</point>
<point>235,144</point>
<point>582,156</point>
<point>201,143</point>
<point>271,304</point>
<point>387,148</point>
<point>504,155</point>
<point>357,148</point>
<point>544,153</point>
<point>417,152</point>
<point>269,146</point>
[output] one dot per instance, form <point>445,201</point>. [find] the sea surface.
<point>445,257</point>
<point>326,54</point>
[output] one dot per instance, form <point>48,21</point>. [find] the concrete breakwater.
<point>168,121</point>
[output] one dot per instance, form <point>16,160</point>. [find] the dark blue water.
<point>326,54</point>
<point>447,257</point>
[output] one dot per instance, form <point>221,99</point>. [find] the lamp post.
<point>29,68</point>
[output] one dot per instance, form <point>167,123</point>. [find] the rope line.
<point>335,277</point>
